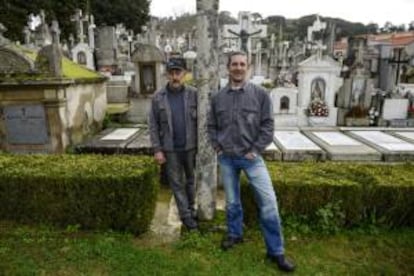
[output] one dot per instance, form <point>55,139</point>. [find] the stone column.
<point>207,79</point>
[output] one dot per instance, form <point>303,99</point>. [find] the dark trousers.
<point>180,171</point>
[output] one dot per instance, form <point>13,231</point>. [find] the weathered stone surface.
<point>207,68</point>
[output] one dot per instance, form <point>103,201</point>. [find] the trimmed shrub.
<point>384,192</point>
<point>93,191</point>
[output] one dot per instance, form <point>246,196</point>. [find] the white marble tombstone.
<point>318,80</point>
<point>395,109</point>
<point>284,100</point>
<point>83,54</point>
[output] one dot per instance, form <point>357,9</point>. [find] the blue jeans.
<point>259,179</point>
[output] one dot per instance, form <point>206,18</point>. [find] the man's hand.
<point>250,155</point>
<point>159,157</point>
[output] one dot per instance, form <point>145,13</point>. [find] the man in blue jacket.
<point>173,134</point>
<point>240,127</point>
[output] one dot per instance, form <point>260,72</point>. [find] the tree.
<point>132,13</point>
<point>17,13</point>
<point>256,17</point>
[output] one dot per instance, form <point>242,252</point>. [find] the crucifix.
<point>244,37</point>
<point>398,62</point>
<point>245,31</point>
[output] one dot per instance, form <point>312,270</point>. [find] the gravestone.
<point>284,100</point>
<point>297,147</point>
<point>340,147</point>
<point>395,109</point>
<point>26,124</point>
<point>106,50</point>
<point>149,68</point>
<point>82,53</point>
<point>392,148</point>
<point>355,96</point>
<point>319,83</point>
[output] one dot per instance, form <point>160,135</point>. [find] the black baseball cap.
<point>176,63</point>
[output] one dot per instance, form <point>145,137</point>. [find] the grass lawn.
<point>41,250</point>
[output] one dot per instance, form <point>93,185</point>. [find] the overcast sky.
<point>364,11</point>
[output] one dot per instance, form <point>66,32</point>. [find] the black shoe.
<point>229,242</point>
<point>190,224</point>
<point>282,263</point>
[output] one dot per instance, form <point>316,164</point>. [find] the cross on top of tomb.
<point>80,19</point>
<point>315,43</point>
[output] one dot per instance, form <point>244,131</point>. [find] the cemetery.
<point>76,156</point>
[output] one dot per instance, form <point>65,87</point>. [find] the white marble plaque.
<point>409,135</point>
<point>294,140</point>
<point>385,141</point>
<point>395,109</point>
<point>334,138</point>
<point>120,134</point>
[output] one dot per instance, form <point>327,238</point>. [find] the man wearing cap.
<point>173,133</point>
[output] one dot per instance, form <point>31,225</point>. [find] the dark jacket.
<point>160,120</point>
<point>241,121</point>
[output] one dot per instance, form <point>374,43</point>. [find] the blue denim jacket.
<point>241,121</point>
<point>160,120</point>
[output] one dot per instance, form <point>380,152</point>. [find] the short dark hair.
<point>236,53</point>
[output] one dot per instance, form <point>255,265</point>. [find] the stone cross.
<point>317,27</point>
<point>79,19</point>
<point>207,78</point>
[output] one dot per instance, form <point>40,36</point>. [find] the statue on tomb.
<point>317,106</point>
<point>244,37</point>
<point>318,90</point>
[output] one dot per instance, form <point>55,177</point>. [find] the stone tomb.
<point>110,141</point>
<point>391,148</point>
<point>272,153</point>
<point>48,103</point>
<point>319,83</point>
<point>395,112</point>
<point>285,108</point>
<point>340,147</point>
<point>297,147</point>
<point>405,135</point>
<point>148,61</point>
<point>134,140</point>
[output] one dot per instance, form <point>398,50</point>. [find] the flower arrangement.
<point>318,108</point>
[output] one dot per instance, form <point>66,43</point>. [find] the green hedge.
<point>380,192</point>
<point>93,191</point>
